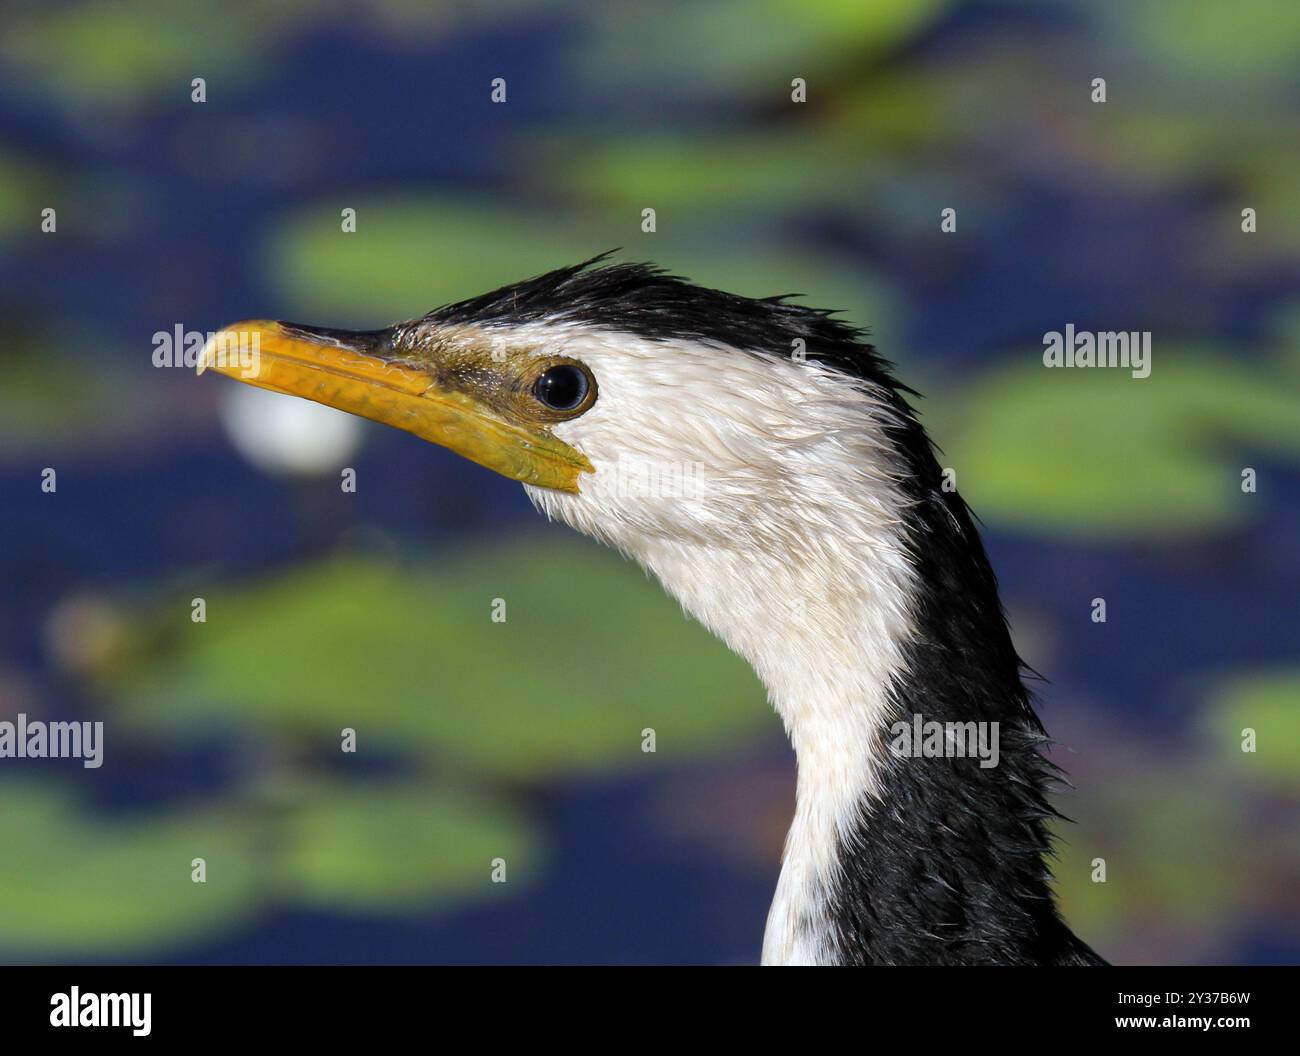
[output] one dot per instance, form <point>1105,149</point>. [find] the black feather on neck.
<point>949,864</point>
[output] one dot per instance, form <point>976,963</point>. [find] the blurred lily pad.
<point>410,255</point>
<point>1171,854</point>
<point>1098,454</point>
<point>1267,702</point>
<point>700,173</point>
<point>57,401</point>
<point>20,201</point>
<point>590,654</point>
<point>133,53</point>
<point>394,849</point>
<point>122,53</point>
<point>1264,36</point>
<point>780,39</point>
<point>73,882</point>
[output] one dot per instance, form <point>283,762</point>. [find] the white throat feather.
<point>790,550</point>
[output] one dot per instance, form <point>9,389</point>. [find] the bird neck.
<point>902,849</point>
<point>942,857</point>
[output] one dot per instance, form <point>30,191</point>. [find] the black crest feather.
<point>648,301</point>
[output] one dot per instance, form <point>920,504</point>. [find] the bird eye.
<point>563,387</point>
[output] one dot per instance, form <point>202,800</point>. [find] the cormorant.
<point>760,458</point>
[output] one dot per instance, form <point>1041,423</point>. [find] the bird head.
<point>639,408</point>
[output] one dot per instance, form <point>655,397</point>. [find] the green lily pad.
<point>1252,39</point>
<point>1171,850</point>
<point>395,849</point>
<point>21,183</point>
<point>589,656</point>
<point>739,45</point>
<point>52,403</point>
<point>410,255</point>
<point>1098,454</point>
<point>124,53</point>
<point>699,173</point>
<point>1267,702</point>
<point>72,882</point>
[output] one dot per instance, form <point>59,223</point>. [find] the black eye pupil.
<point>561,388</point>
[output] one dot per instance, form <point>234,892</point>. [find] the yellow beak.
<point>355,372</point>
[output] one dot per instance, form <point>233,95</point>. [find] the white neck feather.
<point>826,641</point>
<point>792,553</point>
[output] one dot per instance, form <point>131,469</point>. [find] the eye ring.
<point>565,389</point>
